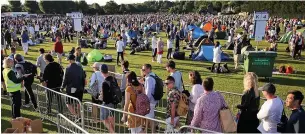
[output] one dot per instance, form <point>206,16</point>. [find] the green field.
<point>232,82</point>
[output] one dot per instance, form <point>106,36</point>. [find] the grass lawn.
<point>232,82</point>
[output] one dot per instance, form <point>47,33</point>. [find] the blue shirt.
<point>25,38</point>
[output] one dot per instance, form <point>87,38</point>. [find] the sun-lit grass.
<point>232,82</point>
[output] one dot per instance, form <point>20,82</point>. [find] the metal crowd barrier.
<point>190,129</point>
<point>64,125</point>
<point>51,102</point>
<point>95,120</point>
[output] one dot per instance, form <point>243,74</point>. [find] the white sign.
<point>77,25</point>
<point>263,16</point>
<point>76,15</point>
<point>259,31</point>
<point>261,19</point>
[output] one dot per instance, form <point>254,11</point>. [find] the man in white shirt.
<point>119,49</point>
<point>171,68</point>
<point>271,111</point>
<point>149,86</point>
<point>154,47</point>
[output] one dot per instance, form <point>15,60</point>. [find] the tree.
<point>188,6</point>
<point>122,8</point>
<point>5,8</point>
<point>46,7</point>
<point>217,6</point>
<point>111,7</point>
<point>31,6</point>
<point>82,6</point>
<point>15,6</point>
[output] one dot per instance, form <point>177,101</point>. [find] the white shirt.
<point>169,44</point>
<point>31,30</point>
<point>178,83</point>
<point>270,115</point>
<point>97,75</point>
<point>119,46</point>
<point>217,55</point>
<point>36,28</point>
<point>197,91</point>
<point>153,42</point>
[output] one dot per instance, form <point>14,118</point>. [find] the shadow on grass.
<point>288,81</point>
<point>24,113</point>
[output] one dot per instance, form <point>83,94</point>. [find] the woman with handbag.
<point>133,86</point>
<point>208,107</point>
<point>249,107</point>
<point>197,91</point>
<point>95,87</point>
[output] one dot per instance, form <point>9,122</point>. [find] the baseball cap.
<point>269,88</point>
<point>96,65</point>
<point>71,57</point>
<point>104,68</point>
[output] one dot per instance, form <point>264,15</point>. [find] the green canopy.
<point>286,37</point>
<point>95,56</point>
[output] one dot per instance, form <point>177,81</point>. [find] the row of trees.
<point>111,7</point>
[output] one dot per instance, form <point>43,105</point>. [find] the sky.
<point>100,2</point>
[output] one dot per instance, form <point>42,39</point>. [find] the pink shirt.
<point>206,112</point>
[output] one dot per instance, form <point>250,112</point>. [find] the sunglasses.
<point>168,83</point>
<point>143,70</point>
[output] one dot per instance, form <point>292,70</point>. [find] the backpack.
<point>94,89</point>
<point>158,93</point>
<point>142,104</point>
<point>115,90</point>
<point>183,105</point>
<point>29,68</point>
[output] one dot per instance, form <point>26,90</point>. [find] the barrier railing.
<point>51,102</point>
<point>64,125</point>
<point>190,129</point>
<point>100,118</point>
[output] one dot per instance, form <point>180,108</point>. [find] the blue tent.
<point>206,52</point>
<point>198,32</point>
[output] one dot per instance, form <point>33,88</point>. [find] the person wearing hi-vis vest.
<point>13,85</point>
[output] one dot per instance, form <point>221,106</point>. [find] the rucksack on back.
<point>115,91</point>
<point>142,104</point>
<point>158,94</point>
<point>183,105</point>
<point>29,68</point>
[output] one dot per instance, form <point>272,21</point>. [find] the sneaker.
<point>27,105</point>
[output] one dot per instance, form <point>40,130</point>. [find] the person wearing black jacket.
<point>74,82</point>
<point>249,106</point>
<point>8,38</point>
<point>53,77</point>
<point>25,67</point>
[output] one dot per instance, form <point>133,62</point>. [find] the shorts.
<point>176,119</point>
<point>151,113</point>
<point>59,55</point>
<point>105,113</point>
<point>154,52</point>
<point>136,130</point>
<point>78,95</point>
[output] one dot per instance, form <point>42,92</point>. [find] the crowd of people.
<point>204,104</point>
